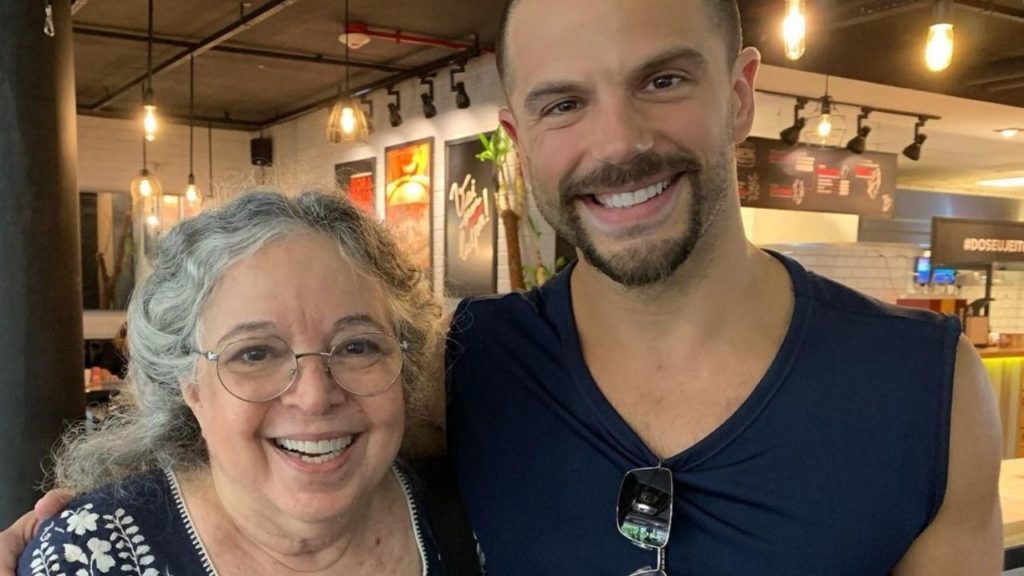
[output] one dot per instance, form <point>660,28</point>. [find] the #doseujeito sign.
<point>960,242</point>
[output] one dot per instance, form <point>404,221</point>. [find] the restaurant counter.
<point>1005,368</point>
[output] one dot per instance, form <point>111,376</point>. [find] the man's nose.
<point>621,132</point>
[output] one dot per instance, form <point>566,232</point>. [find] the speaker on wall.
<point>261,151</point>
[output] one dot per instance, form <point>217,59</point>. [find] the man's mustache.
<point>640,168</point>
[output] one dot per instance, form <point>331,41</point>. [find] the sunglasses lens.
<point>645,509</point>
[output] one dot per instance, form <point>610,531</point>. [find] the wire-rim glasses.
<point>262,369</point>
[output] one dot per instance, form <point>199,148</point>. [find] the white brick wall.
<point>885,271</point>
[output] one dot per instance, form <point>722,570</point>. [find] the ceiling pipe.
<point>246,22</point>
<point>400,37</point>
<point>131,36</point>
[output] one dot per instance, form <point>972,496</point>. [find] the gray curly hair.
<point>151,425</point>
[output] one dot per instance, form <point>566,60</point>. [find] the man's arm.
<point>966,537</point>
<point>14,539</point>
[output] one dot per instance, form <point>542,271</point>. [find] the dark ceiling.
<point>258,63</point>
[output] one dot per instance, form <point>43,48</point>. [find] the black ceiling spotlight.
<point>858,143</point>
<point>395,108</point>
<point>913,151</point>
<point>791,135</point>
<point>461,98</point>
<point>429,110</point>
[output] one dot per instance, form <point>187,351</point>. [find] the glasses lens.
<point>256,369</point>
<point>648,572</point>
<point>366,364</point>
<point>645,507</point>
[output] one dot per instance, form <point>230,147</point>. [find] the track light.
<point>461,97</point>
<point>913,151</point>
<point>938,54</point>
<point>858,143</point>
<point>794,29</point>
<point>395,108</point>
<point>791,135</point>
<point>429,110</point>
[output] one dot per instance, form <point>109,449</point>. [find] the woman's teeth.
<point>315,451</point>
<point>629,199</point>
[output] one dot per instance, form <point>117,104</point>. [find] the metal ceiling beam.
<point>990,8</point>
<point>216,122</point>
<point>132,36</point>
<point>872,10</point>
<point>77,5</point>
<point>417,72</point>
<point>246,22</point>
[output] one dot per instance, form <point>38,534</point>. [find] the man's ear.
<point>744,78</point>
<point>508,122</point>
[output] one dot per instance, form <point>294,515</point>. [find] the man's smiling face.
<point>624,113</point>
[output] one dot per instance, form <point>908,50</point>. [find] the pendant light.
<point>347,121</point>
<point>147,191</point>
<point>938,54</point>
<point>192,195</point>
<point>825,123</point>
<point>149,122</point>
<point>794,29</point>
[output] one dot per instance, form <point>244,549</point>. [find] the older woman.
<point>276,351</point>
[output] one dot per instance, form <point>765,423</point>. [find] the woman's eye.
<point>255,355</point>
<point>359,348</point>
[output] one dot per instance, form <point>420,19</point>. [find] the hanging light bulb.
<point>145,187</point>
<point>794,29</point>
<point>192,192</point>
<point>825,124</point>
<point>149,122</point>
<point>348,120</point>
<point>152,221</point>
<point>938,54</point>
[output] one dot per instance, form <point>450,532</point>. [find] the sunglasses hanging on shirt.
<point>644,512</point>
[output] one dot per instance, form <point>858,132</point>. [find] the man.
<point>806,429</point>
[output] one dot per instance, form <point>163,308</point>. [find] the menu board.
<point>772,174</point>
<point>959,242</point>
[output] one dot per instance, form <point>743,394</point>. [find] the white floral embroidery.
<point>82,520</point>
<point>121,550</point>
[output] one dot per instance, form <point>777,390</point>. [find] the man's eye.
<point>665,82</point>
<point>563,107</point>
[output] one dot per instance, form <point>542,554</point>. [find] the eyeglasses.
<point>644,512</point>
<point>261,369</point>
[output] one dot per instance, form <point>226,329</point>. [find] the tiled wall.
<point>885,271</point>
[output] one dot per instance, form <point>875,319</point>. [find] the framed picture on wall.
<point>408,182</point>
<point>470,230</point>
<point>356,180</point>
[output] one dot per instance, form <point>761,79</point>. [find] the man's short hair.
<point>724,13</point>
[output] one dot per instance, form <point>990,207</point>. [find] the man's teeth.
<point>628,199</point>
<point>315,451</point>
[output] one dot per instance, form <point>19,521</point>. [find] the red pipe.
<point>400,37</point>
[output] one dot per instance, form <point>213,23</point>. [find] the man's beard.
<point>651,263</point>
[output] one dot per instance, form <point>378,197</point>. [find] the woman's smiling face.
<point>315,451</point>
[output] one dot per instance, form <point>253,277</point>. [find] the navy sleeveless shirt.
<point>834,465</point>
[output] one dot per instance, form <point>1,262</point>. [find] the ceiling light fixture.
<point>395,108</point>
<point>461,97</point>
<point>913,151</point>
<point>859,143</point>
<point>938,54</point>
<point>149,122</point>
<point>825,124</point>
<point>192,194</point>
<point>1016,182</point>
<point>347,120</point>
<point>429,109</point>
<point>794,29</point>
<point>146,191</point>
<point>1009,132</point>
<point>791,135</point>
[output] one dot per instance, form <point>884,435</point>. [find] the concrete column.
<point>41,384</point>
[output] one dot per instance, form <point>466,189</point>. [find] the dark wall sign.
<point>470,231</point>
<point>958,242</point>
<point>773,175</point>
